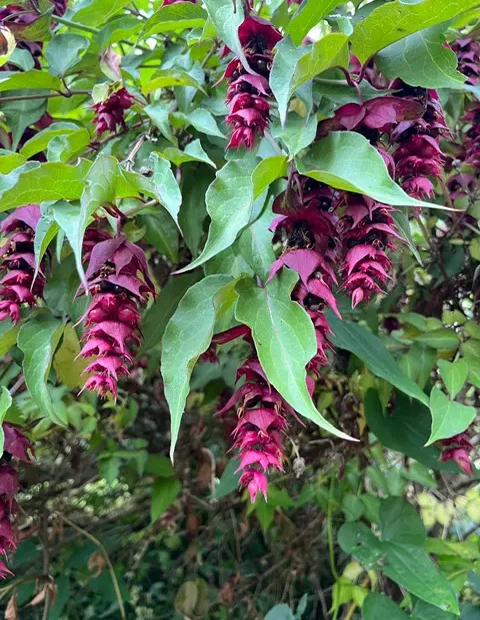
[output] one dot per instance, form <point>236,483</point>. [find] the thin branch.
<point>96,542</point>
<point>68,22</point>
<point>70,93</point>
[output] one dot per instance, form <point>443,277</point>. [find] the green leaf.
<point>193,152</point>
<point>8,336</point>
<point>473,370</point>
<point>166,78</point>
<point>227,17</point>
<point>187,336</point>
<point>45,231</point>
<point>284,340</point>
<point>159,114</point>
<point>38,29</point>
<point>370,349</point>
<point>292,66</point>
<point>203,121</point>
<point>21,114</point>
<point>156,318</point>
<point>417,364</point>
<point>405,563</point>
<point>454,375</point>
<point>267,171</point>
<point>10,162</point>
<point>255,244</point>
<point>175,17</point>
<point>400,522</point>
<point>346,160</point>
<point>161,233</point>
<point>38,339</point>
<point>5,404</point>
<point>40,141</point>
<point>449,418</point>
<point>29,79</point>
<point>400,216</point>
<point>412,569</point>
<point>166,186</point>
<point>229,480</point>
<point>378,607</point>
<point>439,338</point>
<point>396,20</point>
<point>424,611</point>
<point>193,212</point>
<point>69,369</point>
<point>229,262</point>
<point>164,493</point>
<point>422,60</point>
<point>64,51</point>
<point>159,465</point>
<point>34,182</point>
<point>297,134</point>
<point>100,187</point>
<point>308,16</point>
<point>280,612</point>
<point>406,430</point>
<point>97,12</point>
<point>229,203</point>
<point>65,147</point>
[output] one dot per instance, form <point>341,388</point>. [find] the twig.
<point>321,595</point>
<point>69,22</point>
<point>137,208</point>
<point>433,249</point>
<point>129,160</point>
<point>70,93</point>
<point>46,566</point>
<point>107,560</point>
<point>331,552</point>
<point>91,30</point>
<point>17,385</point>
<point>211,52</point>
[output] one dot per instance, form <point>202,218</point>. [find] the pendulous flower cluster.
<point>418,155</point>
<point>118,280</point>
<point>16,446</point>
<point>307,230</point>
<point>109,114</point>
<point>261,421</point>
<point>248,92</point>
<point>19,285</point>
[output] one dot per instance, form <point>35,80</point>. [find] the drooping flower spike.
<point>247,96</point>
<point>368,231</point>
<point>119,281</point>
<point>418,155</point>
<point>16,445</point>
<point>307,228</point>
<point>18,285</point>
<point>261,418</point>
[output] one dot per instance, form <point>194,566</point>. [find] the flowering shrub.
<point>239,305</point>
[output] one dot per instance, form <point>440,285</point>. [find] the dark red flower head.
<point>18,446</point>
<point>248,93</point>
<point>257,35</point>
<point>109,114</point>
<point>119,280</point>
<point>18,286</point>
